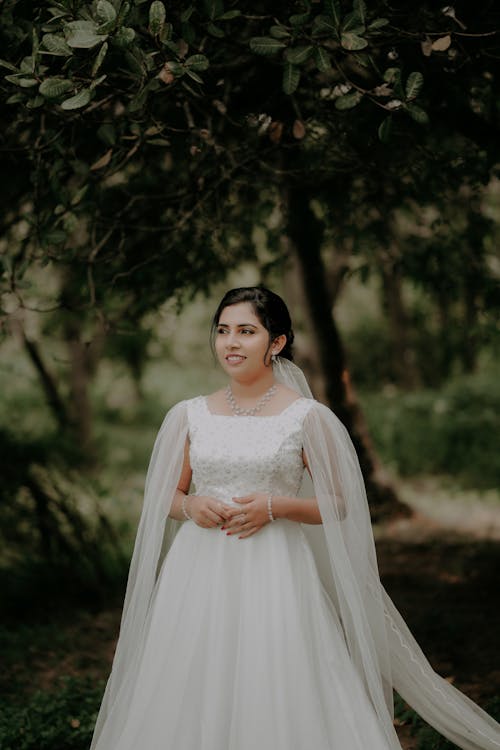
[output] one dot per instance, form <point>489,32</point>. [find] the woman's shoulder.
<point>186,405</point>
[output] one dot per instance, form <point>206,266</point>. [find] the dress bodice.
<point>233,456</point>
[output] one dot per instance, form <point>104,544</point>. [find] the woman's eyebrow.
<point>239,325</point>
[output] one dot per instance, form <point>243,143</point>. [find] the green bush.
<point>452,430</point>
<point>59,720</point>
<point>427,737</point>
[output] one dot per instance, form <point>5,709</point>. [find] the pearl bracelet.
<point>183,506</point>
<point>270,507</point>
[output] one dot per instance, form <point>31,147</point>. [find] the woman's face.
<point>241,342</point>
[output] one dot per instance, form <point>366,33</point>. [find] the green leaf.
<point>157,16</point>
<point>95,83</point>
<point>8,65</point>
<point>378,23</point>
<point>15,79</point>
<point>27,65</point>
<point>124,36</point>
<point>365,60</point>
<point>392,75</point>
<point>353,23</point>
<point>134,63</point>
<point>348,101</point>
<point>291,78</point>
<point>214,8</point>
<point>158,142</point>
<point>265,45</point>
<point>193,75</point>
<point>324,25</point>
<point>36,102</point>
<point>53,44</point>
<point>52,88</point>
<point>27,83</point>
<point>123,9</point>
<point>16,98</point>
<point>417,114</point>
<point>299,19</point>
<point>175,68</point>
<point>57,13</point>
<point>298,55</point>
<point>79,195</point>
<point>352,41</point>
<point>214,30</point>
<point>322,59</point>
<point>83,34</point>
<point>359,8</point>
<point>229,15</point>
<point>385,129</point>
<point>167,32</point>
<point>78,101</point>
<point>198,63</point>
<point>99,58</point>
<point>107,133</point>
<point>332,9</point>
<point>106,14</point>
<point>279,32</point>
<point>186,15</point>
<point>414,85</point>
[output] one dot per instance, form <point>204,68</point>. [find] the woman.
<point>266,627</point>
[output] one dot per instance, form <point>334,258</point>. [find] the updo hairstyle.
<point>269,309</point>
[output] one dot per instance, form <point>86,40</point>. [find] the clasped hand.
<point>245,520</point>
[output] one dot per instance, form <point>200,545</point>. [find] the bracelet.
<point>270,507</point>
<point>183,506</point>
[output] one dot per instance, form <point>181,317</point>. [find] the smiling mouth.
<point>235,358</point>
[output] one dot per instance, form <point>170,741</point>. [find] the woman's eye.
<point>246,330</point>
<point>221,330</point>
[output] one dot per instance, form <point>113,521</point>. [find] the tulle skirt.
<point>245,652</point>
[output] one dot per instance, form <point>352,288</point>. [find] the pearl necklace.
<point>239,412</point>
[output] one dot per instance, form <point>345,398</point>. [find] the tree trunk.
<point>403,359</point>
<point>81,409</point>
<point>469,341</point>
<point>306,234</point>
<point>49,385</point>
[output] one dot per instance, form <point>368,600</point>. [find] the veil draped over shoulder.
<point>380,644</point>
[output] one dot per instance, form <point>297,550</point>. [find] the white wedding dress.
<point>285,640</point>
<point>245,650</point>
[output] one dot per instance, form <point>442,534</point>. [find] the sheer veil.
<point>381,647</point>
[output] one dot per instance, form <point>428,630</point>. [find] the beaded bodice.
<point>232,456</point>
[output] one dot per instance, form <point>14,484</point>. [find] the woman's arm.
<point>302,510</point>
<point>204,511</point>
<point>183,485</point>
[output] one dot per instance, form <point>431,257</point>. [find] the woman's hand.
<point>250,517</point>
<point>207,511</point>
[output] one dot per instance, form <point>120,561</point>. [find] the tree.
<point>143,139</point>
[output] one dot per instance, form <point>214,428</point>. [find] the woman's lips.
<point>235,359</point>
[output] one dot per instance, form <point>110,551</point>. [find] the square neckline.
<point>252,416</point>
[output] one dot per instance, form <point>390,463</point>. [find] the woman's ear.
<point>278,344</point>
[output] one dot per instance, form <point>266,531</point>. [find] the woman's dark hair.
<point>268,307</point>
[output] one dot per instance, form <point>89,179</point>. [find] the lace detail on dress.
<point>257,454</point>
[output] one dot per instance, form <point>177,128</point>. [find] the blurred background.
<point>347,157</point>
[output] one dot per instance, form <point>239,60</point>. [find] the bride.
<point>265,626</point>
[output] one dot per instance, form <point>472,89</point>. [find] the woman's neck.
<point>251,389</point>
